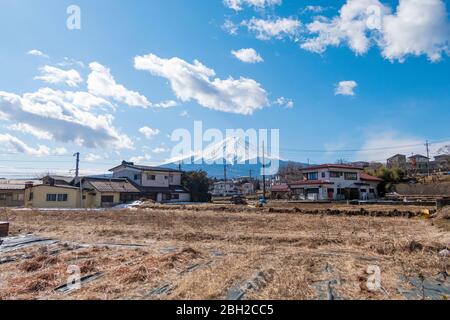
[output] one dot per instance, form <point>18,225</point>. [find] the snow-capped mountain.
<point>242,159</point>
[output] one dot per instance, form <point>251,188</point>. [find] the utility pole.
<point>264,170</point>
<point>225,171</point>
<point>428,156</point>
<point>77,168</point>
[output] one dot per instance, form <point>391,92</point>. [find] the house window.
<point>351,176</point>
<point>372,191</point>
<point>30,198</point>
<point>137,177</point>
<point>18,197</point>
<point>2,196</point>
<point>363,190</point>
<point>313,176</point>
<point>151,177</point>
<point>175,196</point>
<point>335,174</point>
<point>62,197</point>
<point>171,179</point>
<point>51,197</point>
<point>107,199</point>
<point>166,178</point>
<point>323,174</point>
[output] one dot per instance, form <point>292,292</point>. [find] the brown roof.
<point>367,177</point>
<point>280,188</point>
<point>122,186</point>
<point>309,182</point>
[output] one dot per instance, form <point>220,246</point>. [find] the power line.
<point>361,150</point>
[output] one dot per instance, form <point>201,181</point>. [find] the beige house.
<point>104,193</point>
<point>52,196</point>
<point>92,193</point>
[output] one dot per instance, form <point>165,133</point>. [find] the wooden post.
<point>4,229</point>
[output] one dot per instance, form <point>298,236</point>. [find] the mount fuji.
<point>242,160</point>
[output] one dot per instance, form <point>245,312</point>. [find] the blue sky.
<point>401,98</point>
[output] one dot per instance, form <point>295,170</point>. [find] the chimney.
<point>29,184</point>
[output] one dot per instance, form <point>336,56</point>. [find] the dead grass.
<point>201,252</point>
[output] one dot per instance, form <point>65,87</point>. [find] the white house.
<point>225,189</point>
<point>156,183</point>
<point>335,182</point>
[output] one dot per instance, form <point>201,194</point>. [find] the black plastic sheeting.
<point>20,242</point>
<point>65,288</point>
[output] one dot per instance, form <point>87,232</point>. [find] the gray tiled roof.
<point>122,186</point>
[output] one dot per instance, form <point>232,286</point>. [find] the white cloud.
<point>56,76</point>
<point>148,132</point>
<point>382,145</point>
<point>273,28</point>
<point>230,27</point>
<point>160,150</point>
<point>26,128</point>
<point>92,157</point>
<point>165,104</point>
<point>314,9</point>
<point>346,88</point>
<point>237,5</point>
<point>101,83</point>
<point>16,145</point>
<point>140,159</point>
<point>417,28</point>
<point>59,114</point>
<point>197,82</point>
<point>284,102</point>
<point>68,62</point>
<point>248,55</point>
<point>184,114</point>
<point>37,53</point>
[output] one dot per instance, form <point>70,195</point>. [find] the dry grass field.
<point>284,251</point>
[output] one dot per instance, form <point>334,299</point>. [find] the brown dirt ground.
<point>201,252</point>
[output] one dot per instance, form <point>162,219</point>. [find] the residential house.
<point>398,161</point>
<point>247,189</point>
<point>419,163</point>
<point>334,182</point>
<point>280,191</point>
<point>156,183</point>
<point>12,192</point>
<point>225,189</point>
<point>442,162</point>
<point>361,164</point>
<point>52,196</point>
<point>106,193</point>
<point>83,192</point>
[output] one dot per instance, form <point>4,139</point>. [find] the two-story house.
<point>335,182</point>
<point>156,183</point>
<point>398,161</point>
<point>419,162</point>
